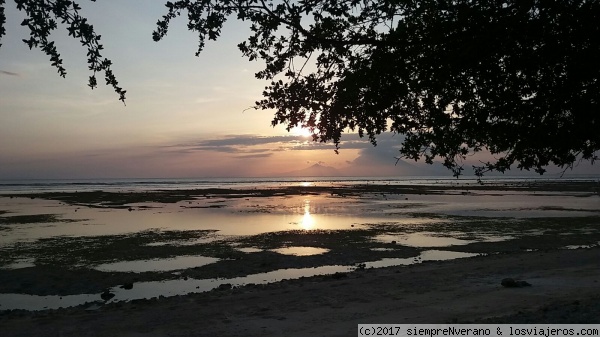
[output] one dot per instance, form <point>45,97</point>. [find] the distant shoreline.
<point>95,195</point>
<point>135,184</point>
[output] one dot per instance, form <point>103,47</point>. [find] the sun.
<point>300,131</point>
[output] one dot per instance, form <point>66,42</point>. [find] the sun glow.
<point>300,131</point>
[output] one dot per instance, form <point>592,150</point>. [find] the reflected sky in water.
<point>140,266</point>
<point>257,215</point>
<point>186,286</point>
<point>300,251</point>
<point>251,216</point>
<point>307,220</point>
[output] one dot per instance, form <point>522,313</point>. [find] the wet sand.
<point>564,288</point>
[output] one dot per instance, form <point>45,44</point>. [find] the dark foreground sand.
<point>565,289</point>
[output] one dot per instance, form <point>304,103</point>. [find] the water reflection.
<point>250,250</point>
<point>301,251</point>
<point>432,239</point>
<point>20,264</point>
<point>307,220</point>
<point>186,286</point>
<point>140,266</point>
<point>428,255</point>
<point>425,239</point>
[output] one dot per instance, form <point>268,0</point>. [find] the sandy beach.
<point>65,244</point>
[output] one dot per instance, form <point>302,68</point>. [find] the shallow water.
<point>422,240</point>
<point>432,239</point>
<point>19,264</point>
<point>300,251</point>
<point>140,266</point>
<point>428,255</point>
<point>262,215</point>
<point>146,290</point>
<point>509,204</point>
<point>408,215</point>
<point>237,218</point>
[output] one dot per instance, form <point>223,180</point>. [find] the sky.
<point>185,116</point>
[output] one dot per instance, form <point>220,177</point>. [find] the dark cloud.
<point>242,144</point>
<point>223,149</point>
<point>349,141</point>
<point>226,149</point>
<point>10,73</point>
<point>258,155</point>
<point>248,140</point>
<point>254,144</point>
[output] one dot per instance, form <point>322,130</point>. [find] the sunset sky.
<point>185,116</point>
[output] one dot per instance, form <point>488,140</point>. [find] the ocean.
<point>147,184</point>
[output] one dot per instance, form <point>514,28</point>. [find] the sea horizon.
<point>139,184</point>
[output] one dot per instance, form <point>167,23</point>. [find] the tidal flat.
<point>177,242</point>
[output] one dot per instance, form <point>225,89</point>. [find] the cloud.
<point>10,73</point>
<point>352,141</point>
<point>222,149</point>
<point>232,155</point>
<point>381,160</point>
<point>258,155</point>
<point>239,144</point>
<point>255,143</point>
<point>378,158</point>
<point>249,140</point>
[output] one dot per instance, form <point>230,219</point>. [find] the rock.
<point>107,295</point>
<point>127,286</point>
<point>523,284</point>
<point>508,282</point>
<point>512,283</point>
<point>339,275</point>
<point>224,286</point>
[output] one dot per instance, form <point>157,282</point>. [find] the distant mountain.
<point>317,170</point>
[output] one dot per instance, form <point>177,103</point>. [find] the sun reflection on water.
<point>307,220</point>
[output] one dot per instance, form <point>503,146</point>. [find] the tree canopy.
<point>519,79</point>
